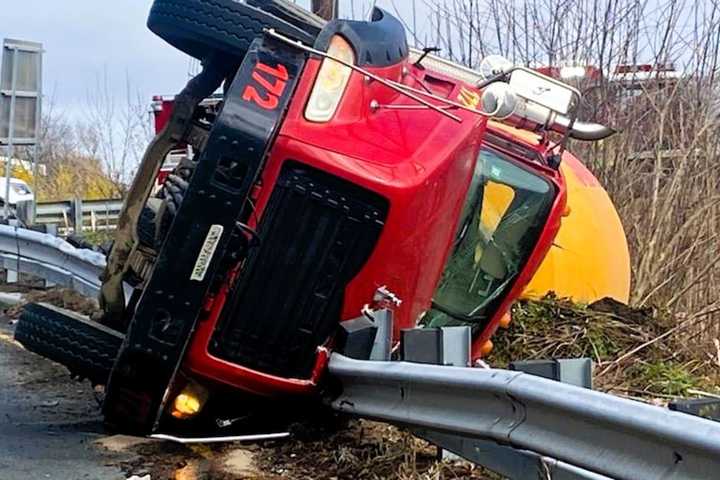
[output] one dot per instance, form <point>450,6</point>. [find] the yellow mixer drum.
<point>589,259</point>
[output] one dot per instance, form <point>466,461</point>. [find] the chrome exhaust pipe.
<point>586,131</point>
<point>500,102</point>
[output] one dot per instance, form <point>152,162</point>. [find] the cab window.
<point>503,216</point>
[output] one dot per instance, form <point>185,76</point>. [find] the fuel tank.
<point>589,259</point>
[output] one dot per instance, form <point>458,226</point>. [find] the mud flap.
<point>198,239</point>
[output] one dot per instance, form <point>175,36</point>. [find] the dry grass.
<point>365,451</point>
<point>639,352</point>
<point>662,168</point>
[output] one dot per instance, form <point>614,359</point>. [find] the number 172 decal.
<point>272,82</point>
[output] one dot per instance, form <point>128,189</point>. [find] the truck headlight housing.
<point>331,82</point>
<point>189,401</point>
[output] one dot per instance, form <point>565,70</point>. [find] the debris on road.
<point>231,439</point>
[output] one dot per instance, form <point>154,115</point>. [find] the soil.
<point>60,297</point>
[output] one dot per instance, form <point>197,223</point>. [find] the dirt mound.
<point>60,297</point>
<point>638,352</point>
<point>366,450</point>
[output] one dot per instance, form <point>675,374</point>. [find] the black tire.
<point>204,28</point>
<point>146,227</point>
<point>86,348</point>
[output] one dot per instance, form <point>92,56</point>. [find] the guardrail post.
<point>77,215</point>
<point>25,211</point>
<point>11,276</point>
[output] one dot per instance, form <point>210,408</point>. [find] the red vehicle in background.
<point>338,174</point>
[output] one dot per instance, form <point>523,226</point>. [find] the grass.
<point>630,347</point>
<point>664,378</point>
<point>99,237</point>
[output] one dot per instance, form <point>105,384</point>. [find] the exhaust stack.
<point>502,103</point>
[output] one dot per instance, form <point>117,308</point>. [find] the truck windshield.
<point>504,213</point>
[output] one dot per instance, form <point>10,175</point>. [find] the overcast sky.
<point>88,39</point>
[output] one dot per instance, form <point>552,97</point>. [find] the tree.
<point>116,133</point>
<point>68,170</point>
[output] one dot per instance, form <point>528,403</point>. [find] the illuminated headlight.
<point>331,82</point>
<point>189,402</point>
<point>572,72</point>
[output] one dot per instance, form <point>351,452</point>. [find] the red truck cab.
<point>448,256</point>
<point>338,173</point>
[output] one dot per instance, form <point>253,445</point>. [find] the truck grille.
<point>316,234</point>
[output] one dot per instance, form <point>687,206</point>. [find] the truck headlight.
<point>189,402</point>
<point>331,82</point>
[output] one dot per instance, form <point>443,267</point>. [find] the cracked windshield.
<point>503,215</point>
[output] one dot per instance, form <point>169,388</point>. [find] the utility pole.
<point>327,9</point>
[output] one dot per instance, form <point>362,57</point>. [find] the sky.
<point>87,41</point>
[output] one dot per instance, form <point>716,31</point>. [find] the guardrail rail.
<point>73,215</point>
<point>579,433</point>
<point>51,258</point>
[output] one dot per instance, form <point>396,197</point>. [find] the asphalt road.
<point>50,428</point>
<point>48,423</point>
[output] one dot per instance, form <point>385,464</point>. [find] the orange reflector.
<point>505,320</point>
<point>486,348</point>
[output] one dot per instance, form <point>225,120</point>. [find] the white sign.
<point>207,252</point>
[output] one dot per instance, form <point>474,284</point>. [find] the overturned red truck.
<point>338,173</point>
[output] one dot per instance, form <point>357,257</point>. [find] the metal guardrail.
<point>583,429</point>
<point>51,258</point>
<point>74,214</point>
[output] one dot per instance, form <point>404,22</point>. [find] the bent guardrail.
<point>599,433</point>
<point>51,258</point>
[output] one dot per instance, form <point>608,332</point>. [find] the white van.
<point>19,191</point>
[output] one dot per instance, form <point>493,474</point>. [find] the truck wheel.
<point>203,28</point>
<point>86,348</point>
<point>146,226</point>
